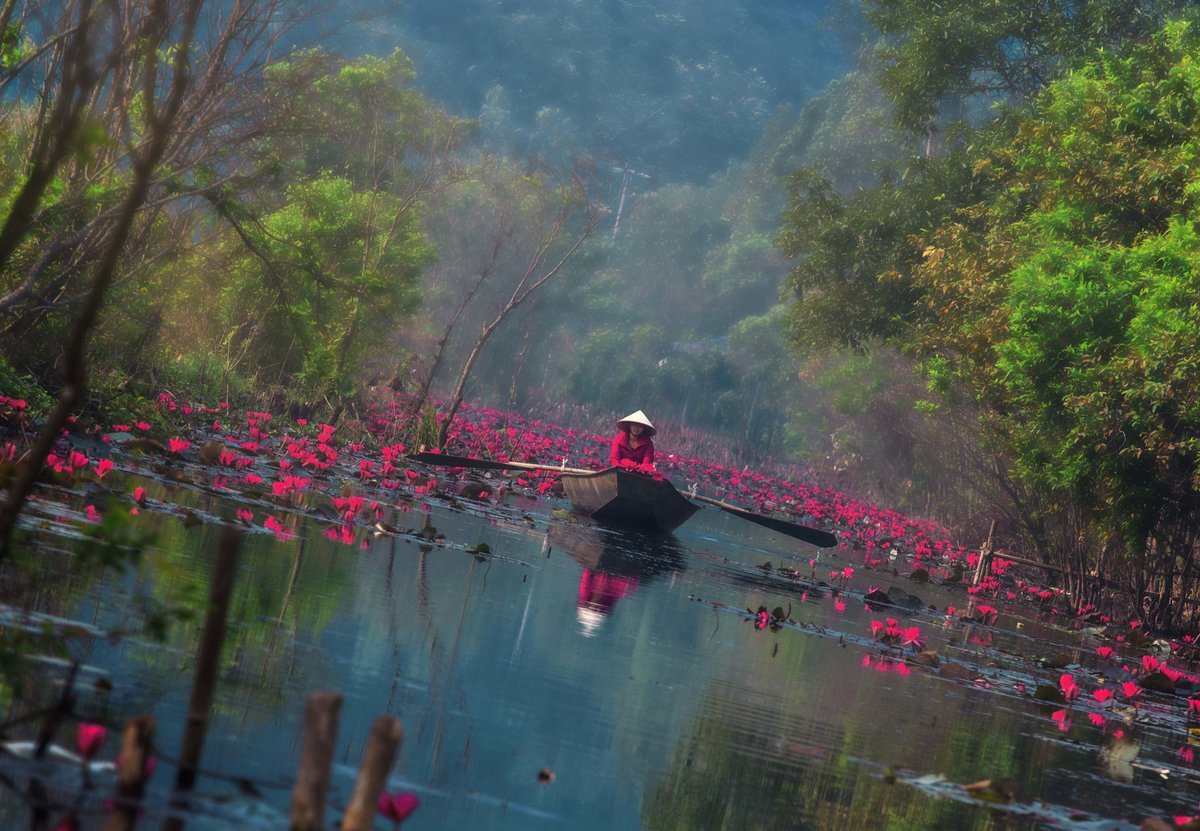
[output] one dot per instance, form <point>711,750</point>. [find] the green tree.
<point>1065,304</point>
<point>326,243</point>
<point>944,58</point>
<point>124,98</point>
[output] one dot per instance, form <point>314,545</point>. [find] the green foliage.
<point>1066,301</point>
<point>854,255</point>
<point>13,46</point>
<point>938,56</point>
<point>323,251</point>
<point>15,384</point>
<point>616,365</point>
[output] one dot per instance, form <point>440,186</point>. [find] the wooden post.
<point>985,556</point>
<point>316,761</point>
<point>137,745</point>
<point>208,657</point>
<point>386,736</point>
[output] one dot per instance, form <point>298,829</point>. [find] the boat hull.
<point>623,499</point>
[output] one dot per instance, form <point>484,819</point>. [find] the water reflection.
<point>615,562</point>
<point>673,712</point>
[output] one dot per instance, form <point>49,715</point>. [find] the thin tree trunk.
<point>74,388</point>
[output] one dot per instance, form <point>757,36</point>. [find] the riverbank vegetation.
<point>983,231</point>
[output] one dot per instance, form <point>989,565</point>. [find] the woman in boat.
<point>632,443</point>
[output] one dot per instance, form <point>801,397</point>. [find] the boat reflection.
<point>615,562</point>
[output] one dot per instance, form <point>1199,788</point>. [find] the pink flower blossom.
<point>398,806</point>
<point>89,738</point>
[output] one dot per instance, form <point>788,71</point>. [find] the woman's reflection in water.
<point>614,564</point>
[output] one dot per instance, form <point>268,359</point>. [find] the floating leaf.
<point>1046,692</point>
<point>1157,681</point>
<point>926,659</point>
<point>877,599</point>
<point>1059,660</point>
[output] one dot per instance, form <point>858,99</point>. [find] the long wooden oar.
<point>813,536</point>
<point>819,538</point>
<point>443,460</point>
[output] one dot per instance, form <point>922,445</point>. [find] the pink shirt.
<point>621,451</point>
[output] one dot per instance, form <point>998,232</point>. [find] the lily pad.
<point>1059,660</point>
<point>1049,693</point>
<point>1157,682</point>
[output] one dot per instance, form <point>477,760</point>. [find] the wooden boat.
<point>625,499</point>
<point>628,500</point>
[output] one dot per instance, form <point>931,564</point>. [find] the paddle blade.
<point>813,536</point>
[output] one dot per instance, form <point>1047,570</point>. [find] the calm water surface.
<point>626,665</point>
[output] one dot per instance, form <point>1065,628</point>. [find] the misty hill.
<point>674,88</point>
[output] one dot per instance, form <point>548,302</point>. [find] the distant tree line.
<point>960,278</point>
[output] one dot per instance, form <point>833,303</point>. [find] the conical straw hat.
<point>638,418</point>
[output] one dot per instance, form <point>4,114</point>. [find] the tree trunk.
<point>159,125</point>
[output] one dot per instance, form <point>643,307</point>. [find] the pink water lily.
<point>89,738</point>
<point>1069,688</point>
<point>398,806</point>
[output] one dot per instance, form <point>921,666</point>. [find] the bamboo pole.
<point>386,736</point>
<point>208,657</point>
<point>133,771</point>
<point>985,556</point>
<point>316,760</point>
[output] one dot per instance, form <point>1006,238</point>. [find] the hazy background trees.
<point>940,254</point>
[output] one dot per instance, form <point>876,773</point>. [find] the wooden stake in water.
<point>386,736</point>
<point>137,745</point>
<point>316,761</point>
<point>208,657</point>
